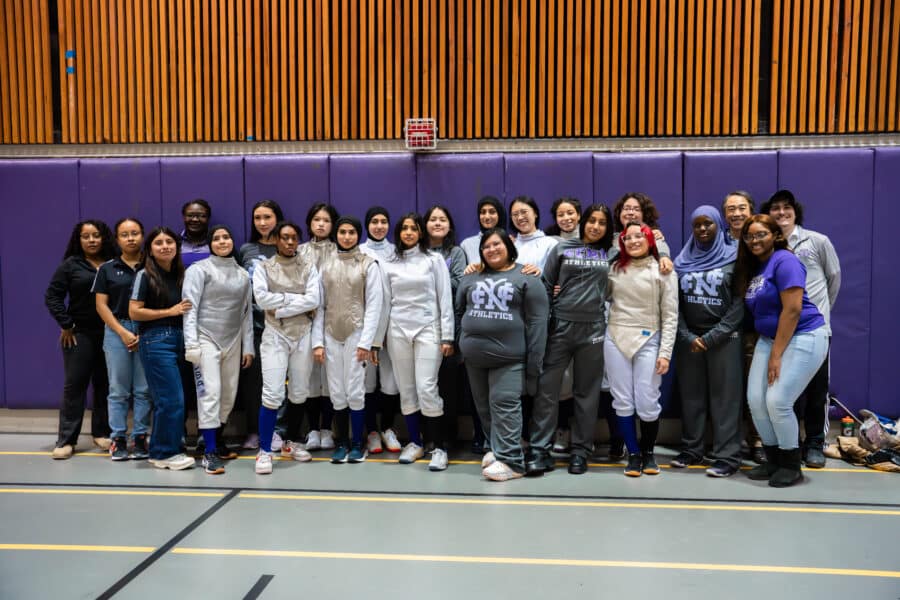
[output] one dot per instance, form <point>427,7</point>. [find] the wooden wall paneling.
<point>613,77</point>
<point>754,39</point>
<point>414,66</point>
<point>709,37</point>
<point>515,58</point>
<point>571,56</point>
<point>96,73</point>
<point>695,110</point>
<point>64,9</point>
<point>160,72</point>
<point>802,107</point>
<point>213,80</point>
<point>189,66</point>
<point>381,66</point>
<point>153,53</point>
<point>847,73</point>
<point>445,74</point>
<point>230,74</point>
<point>177,31</point>
<point>330,69</point>
<point>814,83</point>
<point>6,66</point>
<point>46,85</point>
<point>264,17</point>
<point>24,35</point>
<point>468,117</point>
<point>878,107</point>
<point>733,68</point>
<point>373,73</point>
<point>751,65</point>
<point>824,60</point>
<point>498,80</point>
<point>649,85</point>
<point>33,42</point>
<point>583,117</point>
<point>353,74</point>
<point>422,41</point>
<point>256,131</point>
<point>673,50</point>
<point>524,49</point>
<point>137,72</point>
<point>363,71</point>
<point>863,58</point>
<point>476,91</point>
<point>405,27</point>
<point>147,24</point>
<point>892,116</point>
<point>346,34</point>
<point>529,82</point>
<point>242,42</point>
<point>718,65</point>
<point>397,121</point>
<point>775,116</point>
<point>285,51</point>
<point>207,124</point>
<point>794,73</point>
<point>634,42</point>
<point>837,28</point>
<point>80,67</point>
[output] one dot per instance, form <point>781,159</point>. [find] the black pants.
<point>449,378</point>
<point>812,406</point>
<point>84,364</point>
<point>250,388</point>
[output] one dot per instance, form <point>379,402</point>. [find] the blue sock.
<point>357,424</point>
<point>209,438</point>
<point>628,433</point>
<point>267,418</point>
<point>412,427</point>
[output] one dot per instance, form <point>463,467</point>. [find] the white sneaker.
<point>500,471</point>
<point>488,460</point>
<point>177,462</point>
<point>373,443</point>
<point>299,453</point>
<point>277,442</point>
<point>390,440</point>
<point>411,453</point>
<point>252,442</point>
<point>438,460</point>
<point>327,439</point>
<point>313,441</point>
<point>561,443</point>
<point>263,463</point>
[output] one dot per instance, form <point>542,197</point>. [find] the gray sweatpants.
<point>582,344</point>
<point>497,394</point>
<point>711,386</point>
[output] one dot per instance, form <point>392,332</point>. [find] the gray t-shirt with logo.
<point>503,319</point>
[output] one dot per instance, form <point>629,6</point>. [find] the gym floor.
<point>90,528</point>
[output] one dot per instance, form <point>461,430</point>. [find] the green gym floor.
<point>88,527</point>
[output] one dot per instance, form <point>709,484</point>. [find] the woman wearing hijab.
<point>708,345</point>
<point>490,214</point>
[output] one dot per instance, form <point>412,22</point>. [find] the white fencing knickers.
<point>346,375</point>
<point>384,370</point>
<point>282,359</point>
<point>633,382</point>
<point>216,379</point>
<point>416,363</point>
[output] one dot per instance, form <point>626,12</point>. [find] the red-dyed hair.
<point>624,258</point>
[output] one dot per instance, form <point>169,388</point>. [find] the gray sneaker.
<point>411,453</point>
<point>178,462</point>
<point>439,460</point>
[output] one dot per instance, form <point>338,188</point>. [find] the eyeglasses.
<point>635,237</point>
<point>631,209</point>
<point>520,213</point>
<point>756,237</point>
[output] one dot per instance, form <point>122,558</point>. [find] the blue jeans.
<point>162,351</point>
<point>772,406</point>
<point>126,379</point>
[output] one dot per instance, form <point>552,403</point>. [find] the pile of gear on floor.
<point>876,443</point>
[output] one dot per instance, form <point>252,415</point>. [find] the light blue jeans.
<point>126,380</point>
<point>772,406</point>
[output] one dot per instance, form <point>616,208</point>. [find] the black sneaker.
<point>616,450</point>
<point>815,458</point>
<point>213,464</point>
<point>139,450</point>
<point>720,468</point>
<point>650,466</point>
<point>634,466</point>
<point>118,450</point>
<point>684,460</point>
<point>224,452</point>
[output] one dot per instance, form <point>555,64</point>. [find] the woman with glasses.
<point>638,207</point>
<point>793,342</point>
<point>643,318</point>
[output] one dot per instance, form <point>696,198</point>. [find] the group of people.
<point>544,329</point>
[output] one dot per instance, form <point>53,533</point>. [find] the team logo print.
<point>492,294</point>
<point>756,284</point>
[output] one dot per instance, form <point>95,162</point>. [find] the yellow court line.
<point>568,503</point>
<point>77,548</point>
<point>66,491</point>
<point>552,562</point>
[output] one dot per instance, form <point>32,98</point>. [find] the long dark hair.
<point>271,205</point>
<point>606,241</point>
<point>115,232</point>
<point>399,247</point>
<point>746,262</point>
<point>332,213</point>
<point>154,272</point>
<point>624,258</point>
<point>450,239</point>
<point>107,249</point>
<point>649,214</point>
<point>555,228</point>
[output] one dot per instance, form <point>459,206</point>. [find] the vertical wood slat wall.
<point>26,110</point>
<point>224,70</point>
<point>835,66</point>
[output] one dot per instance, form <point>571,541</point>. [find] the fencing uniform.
<point>317,252</point>
<point>383,372</point>
<point>217,332</point>
<point>288,290</point>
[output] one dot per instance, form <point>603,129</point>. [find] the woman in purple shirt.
<point>791,347</point>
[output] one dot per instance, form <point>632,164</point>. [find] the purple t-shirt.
<point>782,271</point>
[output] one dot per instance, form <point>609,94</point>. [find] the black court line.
<point>162,550</point>
<point>258,587</point>
<point>563,497</point>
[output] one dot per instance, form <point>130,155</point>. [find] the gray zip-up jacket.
<point>582,272</point>
<point>823,269</point>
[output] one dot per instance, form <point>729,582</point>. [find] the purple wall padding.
<point>294,182</point>
<point>709,176</point>
<point>657,174</point>
<point>458,181</point>
<point>41,197</point>
<point>836,190</point>
<point>548,176</point>
<point>884,339</point>
<point>113,188</point>
<point>217,179</point>
<point>359,181</point>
